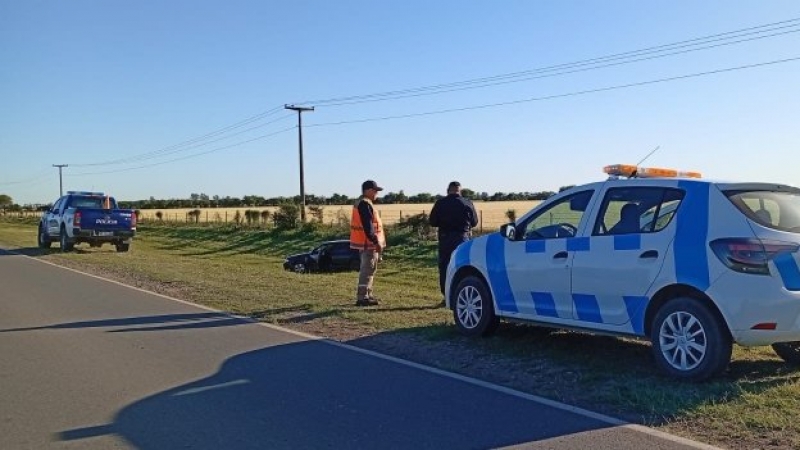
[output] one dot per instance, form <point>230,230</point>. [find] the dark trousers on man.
<point>448,242</point>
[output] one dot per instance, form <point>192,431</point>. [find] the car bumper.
<point>102,236</point>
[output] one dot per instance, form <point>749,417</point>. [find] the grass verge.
<point>756,404</point>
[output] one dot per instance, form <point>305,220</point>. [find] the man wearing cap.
<point>367,236</point>
<point>454,216</point>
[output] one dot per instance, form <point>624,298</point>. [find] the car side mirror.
<point>509,231</point>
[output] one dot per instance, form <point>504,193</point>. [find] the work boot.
<point>367,302</point>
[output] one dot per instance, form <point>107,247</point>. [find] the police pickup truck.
<point>90,217</point>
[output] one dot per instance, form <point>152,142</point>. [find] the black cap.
<point>453,185</point>
<point>370,184</point>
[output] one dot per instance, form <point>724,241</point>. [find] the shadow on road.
<point>314,395</point>
<point>144,323</point>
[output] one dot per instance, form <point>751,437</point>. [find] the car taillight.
<point>76,220</point>
<point>133,220</point>
<point>750,255</point>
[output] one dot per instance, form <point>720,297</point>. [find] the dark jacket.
<point>453,214</point>
<point>366,212</point>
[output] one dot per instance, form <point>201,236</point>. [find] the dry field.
<point>491,214</point>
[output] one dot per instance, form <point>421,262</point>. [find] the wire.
<point>551,75</point>
<point>31,179</point>
<point>194,155</point>
<point>488,81</point>
<point>555,96</point>
<point>182,146</point>
<point>138,158</point>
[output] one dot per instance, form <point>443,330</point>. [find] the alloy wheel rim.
<point>469,307</point>
<point>683,341</point>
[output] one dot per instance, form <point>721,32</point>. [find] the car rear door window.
<point>637,210</point>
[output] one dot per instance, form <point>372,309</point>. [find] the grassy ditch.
<point>756,404</point>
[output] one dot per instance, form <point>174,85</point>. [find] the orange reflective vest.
<point>358,238</point>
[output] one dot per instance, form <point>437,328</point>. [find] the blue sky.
<point>95,82</point>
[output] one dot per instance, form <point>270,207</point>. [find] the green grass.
<point>756,404</point>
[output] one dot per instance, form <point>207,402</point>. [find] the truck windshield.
<point>779,210</point>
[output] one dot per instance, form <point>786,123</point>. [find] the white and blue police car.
<point>691,264</point>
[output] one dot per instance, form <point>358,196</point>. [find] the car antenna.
<point>648,155</point>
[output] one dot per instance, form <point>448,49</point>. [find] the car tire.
<point>689,341</point>
<point>42,239</point>
<point>299,268</point>
<point>122,248</point>
<point>64,242</point>
<point>473,308</point>
<point>788,351</point>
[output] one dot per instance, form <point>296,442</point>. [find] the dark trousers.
<point>447,244</point>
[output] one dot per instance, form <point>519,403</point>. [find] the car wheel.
<point>299,268</point>
<point>689,341</point>
<point>121,248</point>
<point>788,351</point>
<point>64,243</point>
<point>43,240</point>
<point>474,310</point>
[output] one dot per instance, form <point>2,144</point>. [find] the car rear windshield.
<point>779,210</point>
<point>91,202</point>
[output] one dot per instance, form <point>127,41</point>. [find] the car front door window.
<point>559,220</point>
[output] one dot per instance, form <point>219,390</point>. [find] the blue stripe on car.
<point>544,303</point>
<point>498,276</point>
<point>628,241</point>
<point>587,308</point>
<point>790,273</point>
<point>535,246</point>
<point>580,244</point>
<point>691,259</point>
<point>462,254</point>
<point>635,306</point>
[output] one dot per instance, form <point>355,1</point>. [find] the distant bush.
<point>237,218</point>
<point>193,216</point>
<point>317,212</point>
<point>418,225</point>
<point>265,216</point>
<point>159,215</point>
<point>511,214</point>
<point>286,216</point>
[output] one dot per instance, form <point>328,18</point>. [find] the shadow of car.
<point>328,256</point>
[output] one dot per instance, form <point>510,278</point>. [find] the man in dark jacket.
<point>454,216</point>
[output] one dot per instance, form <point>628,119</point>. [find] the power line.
<point>194,155</point>
<point>176,148</point>
<point>555,96</point>
<point>732,37</point>
<point>39,176</point>
<point>555,74</point>
<point>138,158</point>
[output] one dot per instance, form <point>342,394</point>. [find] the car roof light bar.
<point>632,171</point>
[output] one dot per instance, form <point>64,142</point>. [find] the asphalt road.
<point>91,364</point>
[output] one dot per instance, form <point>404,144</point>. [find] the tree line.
<point>202,200</point>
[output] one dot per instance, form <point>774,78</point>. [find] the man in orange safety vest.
<point>367,236</point>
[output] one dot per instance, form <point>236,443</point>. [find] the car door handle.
<point>560,255</point>
<point>649,254</point>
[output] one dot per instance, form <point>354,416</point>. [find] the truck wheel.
<point>788,351</point>
<point>474,309</point>
<point>121,248</point>
<point>65,244</point>
<point>43,240</point>
<point>689,341</point>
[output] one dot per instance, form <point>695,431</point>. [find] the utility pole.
<point>300,110</point>
<point>60,180</point>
